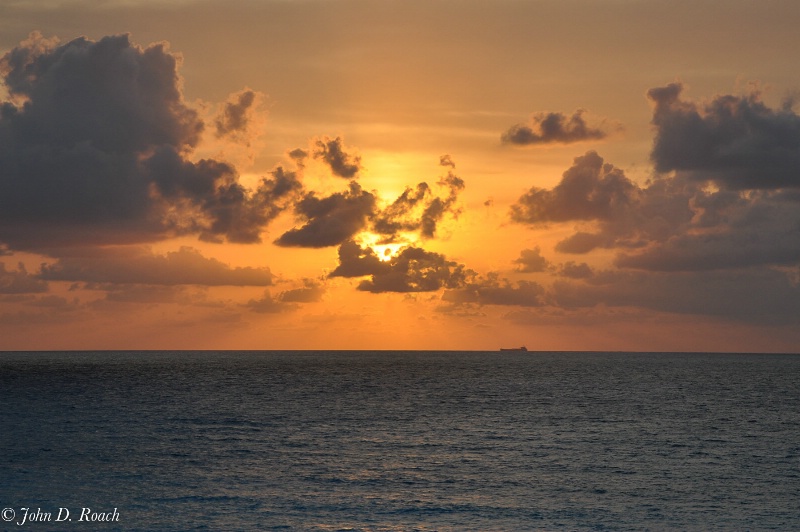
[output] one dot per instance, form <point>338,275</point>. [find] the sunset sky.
<point>416,174</point>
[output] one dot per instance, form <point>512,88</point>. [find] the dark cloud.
<point>729,231</point>
<point>95,143</point>
<point>546,128</point>
<point>523,294</point>
<point>19,281</point>
<point>417,270</point>
<point>589,190</point>
<point>139,266</point>
<point>446,160</point>
<point>287,300</point>
<point>761,296</point>
<point>531,261</point>
<point>574,270</point>
<point>582,242</point>
<point>236,114</point>
<point>311,291</point>
<point>492,290</point>
<point>736,141</point>
<point>411,270</point>
<point>332,152</point>
<point>624,214</point>
<point>331,220</point>
<point>267,304</point>
<point>298,155</point>
<point>355,261</point>
<point>674,223</point>
<point>419,210</point>
<point>240,214</point>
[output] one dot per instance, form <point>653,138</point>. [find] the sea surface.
<point>385,440</point>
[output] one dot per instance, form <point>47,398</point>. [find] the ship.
<point>522,348</point>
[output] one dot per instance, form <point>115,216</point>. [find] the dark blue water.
<point>401,440</point>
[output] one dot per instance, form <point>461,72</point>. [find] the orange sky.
<point>337,174</point>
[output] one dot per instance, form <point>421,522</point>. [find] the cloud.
<point>287,300</point>
<point>729,231</point>
<point>355,261</point>
<point>241,215</point>
<point>332,152</point>
<point>494,290</point>
<point>267,304</point>
<point>762,296</point>
<point>311,292</point>
<point>523,294</point>
<point>95,145</point>
<point>412,270</point>
<point>574,270</point>
<point>331,220</point>
<point>548,128</point>
<point>589,190</point>
<point>446,160</point>
<point>19,281</point>
<point>237,113</point>
<point>738,142</point>
<point>623,214</point>
<point>531,261</point>
<point>140,266</point>
<point>417,270</point>
<point>419,210</point>
<point>674,223</point>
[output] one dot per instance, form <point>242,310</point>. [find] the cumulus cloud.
<point>337,218</point>
<point>417,270</point>
<point>140,266</point>
<point>623,214</point>
<point>330,220</point>
<point>419,209</point>
<point>355,261</point>
<point>548,128</point>
<point>413,269</point>
<point>331,151</point>
<point>240,214</point>
<point>95,144</point>
<point>736,141</point>
<point>674,223</point>
<point>531,261</point>
<point>590,190</point>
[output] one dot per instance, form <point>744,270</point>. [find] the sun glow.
<point>384,250</point>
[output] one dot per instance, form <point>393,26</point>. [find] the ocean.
<point>383,440</point>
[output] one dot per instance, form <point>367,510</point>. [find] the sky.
<point>421,174</point>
